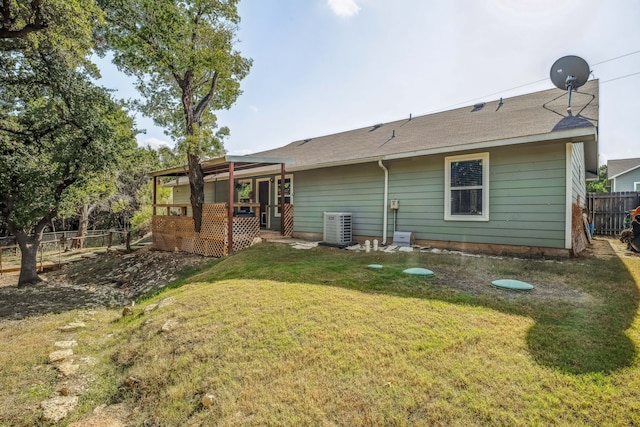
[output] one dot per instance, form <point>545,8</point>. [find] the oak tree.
<point>182,54</point>
<point>58,131</point>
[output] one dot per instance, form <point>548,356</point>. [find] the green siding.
<point>182,194</point>
<point>357,189</point>
<point>527,198</point>
<point>625,182</point>
<point>578,174</point>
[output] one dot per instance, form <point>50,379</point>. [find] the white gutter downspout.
<point>386,196</point>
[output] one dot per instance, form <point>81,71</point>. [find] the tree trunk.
<point>83,226</point>
<point>28,267</point>
<point>196,184</point>
<point>196,178</point>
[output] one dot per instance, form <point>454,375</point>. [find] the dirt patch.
<point>111,279</point>
<point>601,248</point>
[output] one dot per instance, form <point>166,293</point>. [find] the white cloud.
<point>344,8</point>
<point>154,143</point>
<point>253,108</point>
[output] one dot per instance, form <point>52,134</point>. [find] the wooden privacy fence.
<point>609,210</point>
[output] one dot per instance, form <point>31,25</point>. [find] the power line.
<point>617,57</point>
<point>621,77</point>
<point>538,81</point>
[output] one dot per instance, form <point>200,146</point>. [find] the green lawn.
<point>290,337</point>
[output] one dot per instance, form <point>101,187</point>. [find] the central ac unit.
<point>337,228</point>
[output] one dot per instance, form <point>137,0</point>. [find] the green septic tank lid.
<point>374,266</point>
<point>419,271</point>
<point>512,284</point>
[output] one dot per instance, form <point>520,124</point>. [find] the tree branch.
<point>37,24</point>
<point>203,103</point>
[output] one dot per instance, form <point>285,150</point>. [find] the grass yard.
<point>288,337</point>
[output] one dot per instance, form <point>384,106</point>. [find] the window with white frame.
<point>636,186</point>
<point>466,196</point>
<point>243,191</point>
<point>288,192</point>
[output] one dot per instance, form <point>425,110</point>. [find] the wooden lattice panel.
<point>164,242</point>
<point>216,230</point>
<point>171,232</point>
<point>210,248</point>
<point>287,218</point>
<point>184,225</point>
<point>186,244</point>
<point>214,211</point>
<point>245,230</point>
<point>162,224</point>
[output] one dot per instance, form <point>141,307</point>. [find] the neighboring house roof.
<point>539,116</point>
<point>618,167</point>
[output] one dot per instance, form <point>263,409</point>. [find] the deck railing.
<point>173,230</point>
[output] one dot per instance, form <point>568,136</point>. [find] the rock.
<point>131,381</point>
<point>207,400</point>
<point>59,355</point>
<point>67,368</point>
<point>165,302</point>
<point>128,310</point>
<point>149,308</point>
<point>105,416</point>
<point>406,249</point>
<point>73,326</point>
<point>391,248</point>
<point>304,245</point>
<point>88,360</point>
<point>169,325</point>
<point>57,408</point>
<point>64,391</point>
<point>65,344</point>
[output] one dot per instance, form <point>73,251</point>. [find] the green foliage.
<point>141,219</point>
<point>182,55</point>
<point>66,24</point>
<point>59,133</point>
<point>601,185</point>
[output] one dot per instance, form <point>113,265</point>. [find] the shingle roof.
<point>537,114</point>
<point>619,166</point>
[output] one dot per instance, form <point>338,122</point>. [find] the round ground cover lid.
<point>374,266</point>
<point>512,284</point>
<point>419,271</point>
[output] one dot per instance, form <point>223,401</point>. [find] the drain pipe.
<point>386,197</point>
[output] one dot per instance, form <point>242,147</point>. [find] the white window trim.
<point>636,186</point>
<point>277,190</point>
<point>485,187</point>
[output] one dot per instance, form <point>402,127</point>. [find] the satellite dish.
<point>569,73</point>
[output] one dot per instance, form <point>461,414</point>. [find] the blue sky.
<point>326,66</point>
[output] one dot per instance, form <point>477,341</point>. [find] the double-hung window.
<point>466,196</point>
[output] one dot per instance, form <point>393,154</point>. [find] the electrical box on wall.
<point>395,204</point>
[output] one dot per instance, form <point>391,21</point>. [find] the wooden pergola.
<point>228,165</point>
